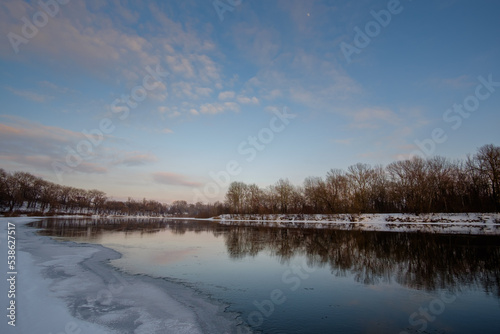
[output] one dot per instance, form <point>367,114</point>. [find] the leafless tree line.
<point>28,193</point>
<point>22,192</point>
<point>414,186</point>
<point>409,186</point>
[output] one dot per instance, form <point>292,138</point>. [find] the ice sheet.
<point>65,287</point>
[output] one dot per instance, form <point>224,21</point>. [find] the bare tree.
<point>283,190</point>
<point>97,200</point>
<point>337,195</point>
<point>360,177</point>
<point>488,162</point>
<point>442,190</point>
<point>178,207</point>
<point>271,200</point>
<point>235,196</point>
<point>4,190</point>
<point>314,194</point>
<point>254,199</point>
<point>410,184</point>
<point>379,198</point>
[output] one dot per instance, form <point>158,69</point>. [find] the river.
<point>291,280</point>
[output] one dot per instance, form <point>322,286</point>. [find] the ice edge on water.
<point>64,284</point>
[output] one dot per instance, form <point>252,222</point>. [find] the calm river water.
<point>314,281</point>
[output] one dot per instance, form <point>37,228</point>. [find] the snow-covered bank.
<point>65,287</point>
<point>452,223</point>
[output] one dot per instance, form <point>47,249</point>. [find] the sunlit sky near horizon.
<point>218,82</point>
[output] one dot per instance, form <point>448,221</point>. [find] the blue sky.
<point>219,82</point>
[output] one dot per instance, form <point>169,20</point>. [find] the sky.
<point>172,100</point>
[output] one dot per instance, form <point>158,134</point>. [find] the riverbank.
<point>67,287</point>
<point>446,223</point>
<point>441,223</point>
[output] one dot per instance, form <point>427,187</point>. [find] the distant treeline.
<point>409,186</point>
<point>22,192</point>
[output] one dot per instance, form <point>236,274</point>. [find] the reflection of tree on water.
<point>416,260</point>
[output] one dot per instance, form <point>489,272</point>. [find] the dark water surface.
<point>286,280</point>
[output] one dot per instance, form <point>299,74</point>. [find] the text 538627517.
<point>11,273</point>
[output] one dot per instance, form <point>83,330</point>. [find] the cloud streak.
<point>31,144</point>
<point>29,95</point>
<point>173,179</point>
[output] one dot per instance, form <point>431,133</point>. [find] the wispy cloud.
<point>304,78</point>
<point>34,144</point>
<point>247,100</point>
<point>29,95</point>
<point>167,131</point>
<point>170,112</point>
<point>460,82</point>
<point>217,108</point>
<point>373,118</point>
<point>346,141</point>
<point>54,87</point>
<point>44,163</point>
<point>30,144</point>
<point>257,43</point>
<point>135,158</point>
<point>226,95</point>
<point>27,133</point>
<point>95,39</point>
<point>174,179</point>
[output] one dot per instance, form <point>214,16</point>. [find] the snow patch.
<point>452,223</point>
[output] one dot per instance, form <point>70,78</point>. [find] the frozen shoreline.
<point>440,223</point>
<point>443,223</point>
<point>66,287</point>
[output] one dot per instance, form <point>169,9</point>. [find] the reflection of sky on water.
<point>346,281</point>
<point>160,248</point>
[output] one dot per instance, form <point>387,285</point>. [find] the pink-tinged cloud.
<point>226,95</point>
<point>373,118</point>
<point>22,138</point>
<point>461,82</point>
<point>217,108</point>
<point>40,162</point>
<point>247,100</point>
<point>135,158</point>
<point>25,130</point>
<point>174,179</point>
<point>28,144</point>
<point>30,95</point>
